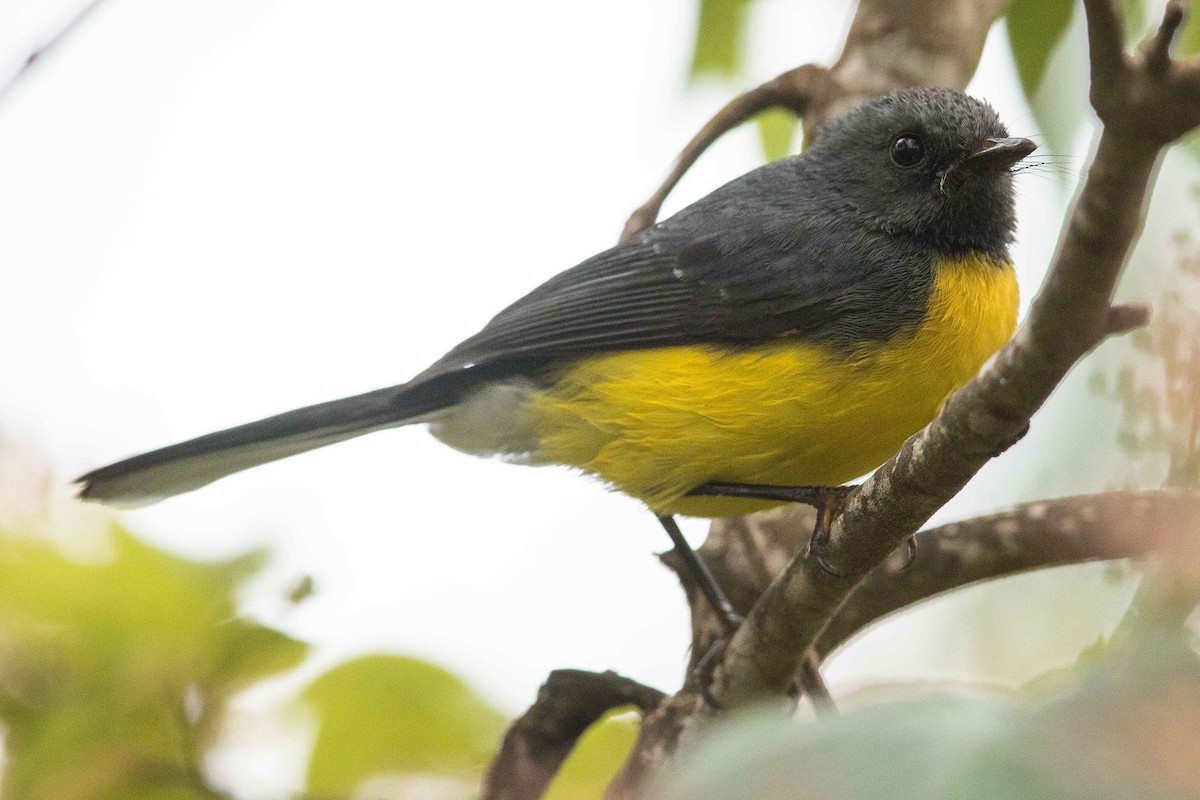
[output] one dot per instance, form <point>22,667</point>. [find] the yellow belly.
<point>657,423</point>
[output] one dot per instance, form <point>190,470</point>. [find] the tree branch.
<point>892,44</point>
<point>536,744</point>
<point>658,738</point>
<point>1143,109</point>
<point>1049,533</point>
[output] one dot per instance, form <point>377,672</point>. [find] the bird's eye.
<point>907,151</point>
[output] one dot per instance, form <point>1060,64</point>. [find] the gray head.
<point>934,164</point>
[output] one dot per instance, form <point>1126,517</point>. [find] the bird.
<point>770,342</point>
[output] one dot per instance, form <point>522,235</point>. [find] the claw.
<point>910,545</point>
<point>833,502</point>
<point>706,666</point>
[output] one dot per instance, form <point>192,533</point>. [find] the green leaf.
<point>776,130</point>
<point>1059,103</point>
<point>1034,28</point>
<point>1136,19</point>
<point>1188,42</point>
<point>247,652</point>
<point>384,714</point>
<point>113,669</point>
<point>1188,45</point>
<point>89,743</point>
<point>720,38</point>
<point>1090,657</point>
<point>1124,727</point>
<point>901,751</point>
<point>159,792</point>
<point>597,756</point>
<point>301,590</point>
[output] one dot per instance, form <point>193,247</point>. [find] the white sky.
<point>218,211</point>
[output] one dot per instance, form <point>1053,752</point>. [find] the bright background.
<point>215,212</point>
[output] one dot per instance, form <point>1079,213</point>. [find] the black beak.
<point>998,154</point>
<point>993,155</point>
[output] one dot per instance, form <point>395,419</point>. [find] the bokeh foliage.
<point>393,714</point>
<point>1121,723</point>
<point>1124,724</point>
<point>117,671</point>
<point>1034,29</point>
<point>597,756</point>
<point>114,672</point>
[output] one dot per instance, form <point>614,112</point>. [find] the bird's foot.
<point>829,501</point>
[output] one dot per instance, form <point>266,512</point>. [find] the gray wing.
<point>722,290</point>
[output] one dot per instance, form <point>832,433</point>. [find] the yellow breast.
<point>657,423</point>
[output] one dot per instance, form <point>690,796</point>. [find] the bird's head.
<point>930,163</point>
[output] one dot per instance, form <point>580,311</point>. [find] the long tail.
<point>154,476</point>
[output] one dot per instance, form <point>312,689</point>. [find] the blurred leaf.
<point>301,590</point>
<point>1188,42</point>
<point>140,592</point>
<point>1034,28</point>
<point>90,747</point>
<point>940,748</point>
<point>776,131</point>
<point>1093,656</point>
<point>390,714</point>
<point>113,669</point>
<point>1191,145</point>
<point>720,38</point>
<point>249,652</point>
<point>1127,729</point>
<point>1058,101</point>
<point>596,758</point>
<point>166,793</point>
<point>1136,19</point>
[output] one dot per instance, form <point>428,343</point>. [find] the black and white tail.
<point>153,476</point>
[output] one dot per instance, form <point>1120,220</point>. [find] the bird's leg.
<point>704,579</point>
<point>716,600</point>
<point>829,501</point>
<point>724,609</point>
